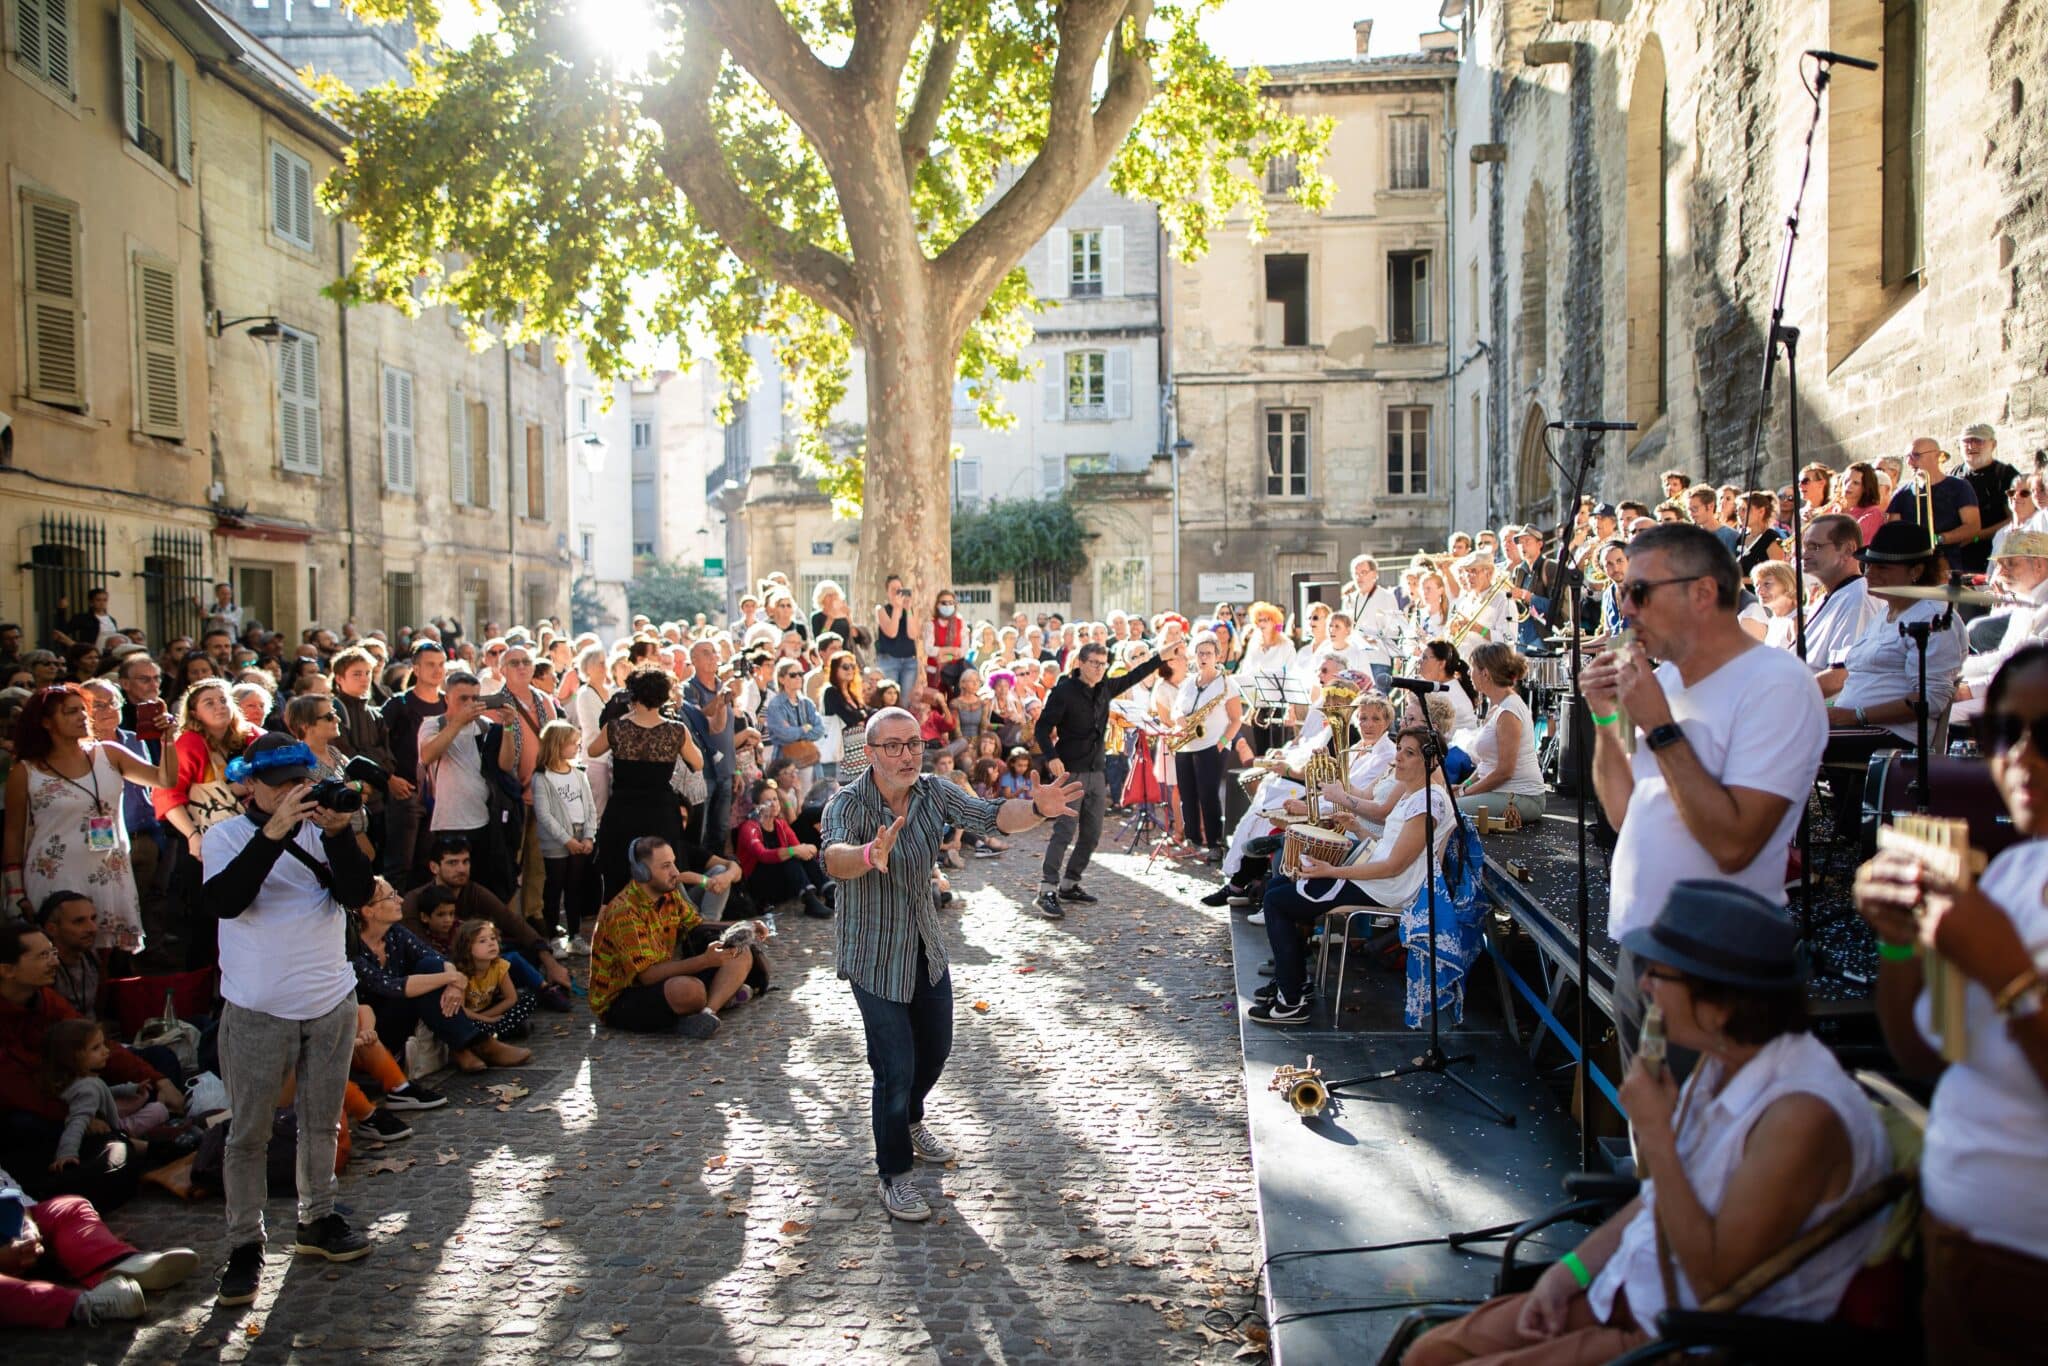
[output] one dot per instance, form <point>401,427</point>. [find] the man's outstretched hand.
<point>885,840</point>
<point>1053,800</point>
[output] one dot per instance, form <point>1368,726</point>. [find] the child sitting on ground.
<point>1016,782</point>
<point>490,1001</point>
<point>74,1051</point>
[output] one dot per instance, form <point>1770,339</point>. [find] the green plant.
<point>586,609</point>
<point>667,590</point>
<point>1018,537</point>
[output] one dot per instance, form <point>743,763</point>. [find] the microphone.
<point>1419,686</point>
<point>1822,55</point>
<point>1592,426</point>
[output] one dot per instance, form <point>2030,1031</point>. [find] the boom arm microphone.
<point>1592,426</point>
<point>1838,59</point>
<point>1418,686</point>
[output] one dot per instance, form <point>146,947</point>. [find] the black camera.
<point>335,794</point>
<point>363,769</point>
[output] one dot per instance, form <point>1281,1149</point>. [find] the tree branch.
<point>883,33</point>
<point>1080,140</point>
<point>932,88</point>
<point>761,40</point>
<point>695,162</point>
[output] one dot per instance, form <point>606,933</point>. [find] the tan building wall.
<point>91,481</point>
<point>1346,373</point>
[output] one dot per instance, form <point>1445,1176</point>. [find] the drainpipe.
<point>511,512</point>
<point>348,445</point>
<point>1170,439</point>
<point>1450,162</point>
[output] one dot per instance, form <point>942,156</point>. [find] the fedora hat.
<point>1721,932</point>
<point>1897,543</point>
<point>2023,545</point>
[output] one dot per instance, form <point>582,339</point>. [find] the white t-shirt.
<point>1398,889</point>
<point>286,954</point>
<point>1376,622</point>
<point>1832,627</point>
<point>1756,722</point>
<point>1884,666</point>
<point>461,802</point>
<point>1527,778</point>
<point>1985,1166</point>
<point>1194,693</point>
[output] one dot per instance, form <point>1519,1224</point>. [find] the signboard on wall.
<point>1215,588</point>
<point>821,547</point>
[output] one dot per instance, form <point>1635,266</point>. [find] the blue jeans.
<point>525,975</point>
<point>907,1048</point>
<point>908,671</point>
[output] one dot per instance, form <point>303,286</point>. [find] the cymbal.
<point>1965,597</point>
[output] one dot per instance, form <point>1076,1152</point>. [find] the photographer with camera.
<point>462,753</point>
<point>279,877</point>
<point>314,719</point>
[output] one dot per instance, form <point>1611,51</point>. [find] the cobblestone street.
<point>654,1198</point>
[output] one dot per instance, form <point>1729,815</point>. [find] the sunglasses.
<point>1636,592</point>
<point>2003,732</point>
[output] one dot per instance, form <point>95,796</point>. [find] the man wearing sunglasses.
<point>2022,568</point>
<point>1724,737</point>
<point>881,836</point>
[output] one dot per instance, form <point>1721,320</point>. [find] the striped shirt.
<point>883,915</point>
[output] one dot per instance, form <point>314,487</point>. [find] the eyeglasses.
<point>2004,731</point>
<point>1637,591</point>
<point>896,749</point>
<point>325,716</point>
<point>1814,479</point>
<point>1664,975</point>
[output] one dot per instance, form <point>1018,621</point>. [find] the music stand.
<point>1276,690</point>
<point>1147,817</point>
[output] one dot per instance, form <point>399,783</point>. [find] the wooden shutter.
<point>302,203</point>
<point>159,399</point>
<point>1904,124</point>
<point>42,39</point>
<point>1056,249</point>
<point>522,466</point>
<point>50,250</point>
<point>298,403</point>
<point>131,95</point>
<point>1112,261</point>
<point>291,197</point>
<point>181,122</point>
<point>31,46</point>
<point>552,457</point>
<point>1119,382</point>
<point>1054,387</point>
<point>458,448</point>
<point>493,448</point>
<point>398,430</point>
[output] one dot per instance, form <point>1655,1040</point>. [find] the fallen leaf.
<point>849,1263</point>
<point>421,1247</point>
<point>715,1163</point>
<point>981,1007</point>
<point>254,1329</point>
<point>618,1328</point>
<point>1093,1252</point>
<point>390,1164</point>
<point>794,1226</point>
<point>508,1090</point>
<point>1144,1261</point>
<point>443,1159</point>
<point>551,1223</point>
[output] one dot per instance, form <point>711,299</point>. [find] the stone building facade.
<point>1309,368</point>
<point>1631,165</point>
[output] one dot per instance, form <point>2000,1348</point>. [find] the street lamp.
<point>267,328</point>
<point>596,446</point>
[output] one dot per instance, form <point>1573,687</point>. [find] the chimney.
<point>1361,30</point>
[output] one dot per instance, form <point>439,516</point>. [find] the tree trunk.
<point>906,524</point>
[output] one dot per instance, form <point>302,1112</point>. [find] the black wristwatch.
<point>1664,736</point>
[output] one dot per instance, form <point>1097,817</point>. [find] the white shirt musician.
<point>2021,567</point>
<point>1479,613</point>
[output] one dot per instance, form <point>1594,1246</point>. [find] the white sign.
<point>1215,588</point>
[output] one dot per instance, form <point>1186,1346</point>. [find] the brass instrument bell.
<point>1303,1087</point>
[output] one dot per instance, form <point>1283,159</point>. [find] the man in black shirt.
<point>1070,733</point>
<point>403,716</point>
<point>1992,479</point>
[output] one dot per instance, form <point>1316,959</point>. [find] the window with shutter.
<point>298,403</point>
<point>1120,383</point>
<point>45,40</point>
<point>291,197</point>
<point>484,455</point>
<point>54,307</point>
<point>533,474</point>
<point>553,457</point>
<point>458,448</point>
<point>398,430</point>
<point>160,398</point>
<point>1410,160</point>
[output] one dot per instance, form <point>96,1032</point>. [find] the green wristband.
<point>1897,953</point>
<point>1570,1262</point>
<point>1599,720</point>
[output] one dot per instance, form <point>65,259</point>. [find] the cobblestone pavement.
<point>659,1199</point>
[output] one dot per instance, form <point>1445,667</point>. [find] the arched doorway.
<point>1535,479</point>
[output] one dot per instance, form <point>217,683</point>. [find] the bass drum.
<point>1959,789</point>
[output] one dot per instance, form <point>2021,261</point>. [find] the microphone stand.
<point>1433,1061</point>
<point>1920,633</point>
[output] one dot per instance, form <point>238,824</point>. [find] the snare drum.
<point>1328,845</point>
<point>1550,672</point>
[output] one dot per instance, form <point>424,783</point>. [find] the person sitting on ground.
<point>489,1000</point>
<point>1016,779</point>
<point>528,954</point>
<point>74,1054</point>
<point>71,920</point>
<point>62,1237</point>
<point>1387,872</point>
<point>1764,1141</point>
<point>655,965</point>
<point>405,984</point>
<point>776,866</point>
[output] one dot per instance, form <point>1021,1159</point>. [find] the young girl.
<point>987,745</point>
<point>988,778</point>
<point>74,1051</point>
<point>1016,780</point>
<point>949,843</point>
<point>490,1000</point>
<point>565,814</point>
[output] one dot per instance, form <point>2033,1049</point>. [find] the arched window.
<point>1648,209</point>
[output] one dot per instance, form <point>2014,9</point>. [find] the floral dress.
<point>59,853</point>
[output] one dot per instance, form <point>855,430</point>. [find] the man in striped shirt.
<point>881,836</point>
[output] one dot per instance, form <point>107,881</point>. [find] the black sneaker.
<point>241,1277</point>
<point>556,998</point>
<point>332,1238</point>
<point>700,1024</point>
<point>1048,905</point>
<point>381,1123</point>
<point>815,907</point>
<point>1265,994</point>
<point>1079,895</point>
<point>1224,895</point>
<point>413,1096</point>
<point>1281,1012</point>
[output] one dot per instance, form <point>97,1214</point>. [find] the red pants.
<point>79,1245</point>
<point>1488,1334</point>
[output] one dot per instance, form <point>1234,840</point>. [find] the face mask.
<point>945,609</point>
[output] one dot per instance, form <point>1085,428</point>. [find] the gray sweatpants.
<point>257,1053</point>
<point>1081,829</point>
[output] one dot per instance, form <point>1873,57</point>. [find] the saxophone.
<point>1191,725</point>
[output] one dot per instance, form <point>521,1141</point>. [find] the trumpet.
<point>1303,1087</point>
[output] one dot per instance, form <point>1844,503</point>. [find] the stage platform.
<point>1399,1160</point>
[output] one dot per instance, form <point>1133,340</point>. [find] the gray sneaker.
<point>926,1144</point>
<point>116,1297</point>
<point>904,1200</point>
